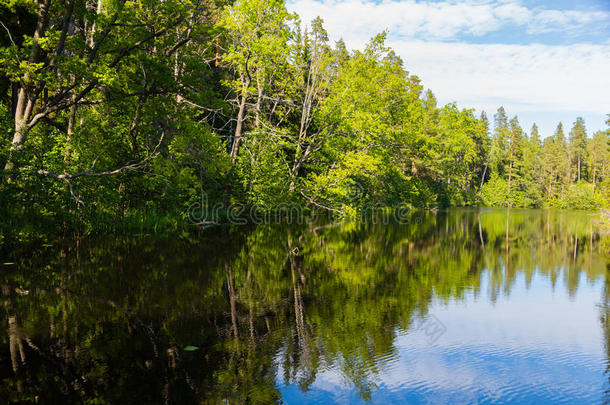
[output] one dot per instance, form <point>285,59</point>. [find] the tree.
<point>555,164</point>
<point>258,45</point>
<point>515,157</point>
<point>63,73</point>
<point>313,63</point>
<point>461,147</point>
<point>562,156</point>
<point>598,156</point>
<point>531,169</point>
<point>367,132</point>
<point>578,145</point>
<point>499,143</point>
<point>485,144</point>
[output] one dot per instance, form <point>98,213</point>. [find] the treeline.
<point>563,172</point>
<point>115,108</point>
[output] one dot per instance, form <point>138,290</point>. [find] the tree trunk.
<point>238,128</point>
<point>98,11</point>
<point>70,132</point>
<point>232,300</point>
<point>239,125</point>
<point>507,241</point>
<point>481,233</point>
<point>260,86</point>
<point>575,247</point>
<point>14,98</point>
<point>483,177</point>
<point>25,103</point>
<point>510,176</point>
<point>310,85</point>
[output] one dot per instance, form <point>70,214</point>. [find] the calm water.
<point>455,307</point>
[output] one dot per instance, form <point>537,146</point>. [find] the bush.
<point>494,193</point>
<point>580,196</point>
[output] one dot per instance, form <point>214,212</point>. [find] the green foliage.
<point>264,175</point>
<point>494,193</point>
<point>529,173</point>
<point>582,196</point>
<point>129,110</point>
<point>578,148</point>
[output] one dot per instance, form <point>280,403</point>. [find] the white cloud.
<point>441,20</point>
<point>513,12</point>
<point>557,20</point>
<point>522,77</point>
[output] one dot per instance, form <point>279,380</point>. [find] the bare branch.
<point>76,197</point>
<point>10,37</point>
<point>317,204</point>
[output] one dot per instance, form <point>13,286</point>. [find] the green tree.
<point>515,160</point>
<point>498,153</point>
<point>598,156</point>
<point>578,146</point>
<point>258,48</point>
<point>313,80</point>
<point>555,165</point>
<point>531,169</point>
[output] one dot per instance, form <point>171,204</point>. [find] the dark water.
<point>455,307</point>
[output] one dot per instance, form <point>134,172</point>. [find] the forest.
<point>116,111</point>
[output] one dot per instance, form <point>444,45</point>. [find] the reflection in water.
<point>316,312</point>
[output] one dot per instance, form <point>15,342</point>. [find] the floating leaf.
<point>191,348</point>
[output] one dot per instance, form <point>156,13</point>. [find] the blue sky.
<point>545,61</point>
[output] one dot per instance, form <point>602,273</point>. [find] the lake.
<point>459,306</point>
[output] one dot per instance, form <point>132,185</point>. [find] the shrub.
<point>494,193</point>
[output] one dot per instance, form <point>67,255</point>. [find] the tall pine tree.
<point>578,147</point>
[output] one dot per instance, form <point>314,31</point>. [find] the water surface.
<point>464,306</point>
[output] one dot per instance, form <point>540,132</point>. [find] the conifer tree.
<point>499,143</point>
<point>578,147</point>
<point>531,168</point>
<point>515,161</point>
<point>598,157</point>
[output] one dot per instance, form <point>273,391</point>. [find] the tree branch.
<point>66,177</point>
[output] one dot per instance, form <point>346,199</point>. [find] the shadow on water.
<point>246,315</point>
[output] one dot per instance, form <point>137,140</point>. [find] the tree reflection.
<point>109,319</point>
